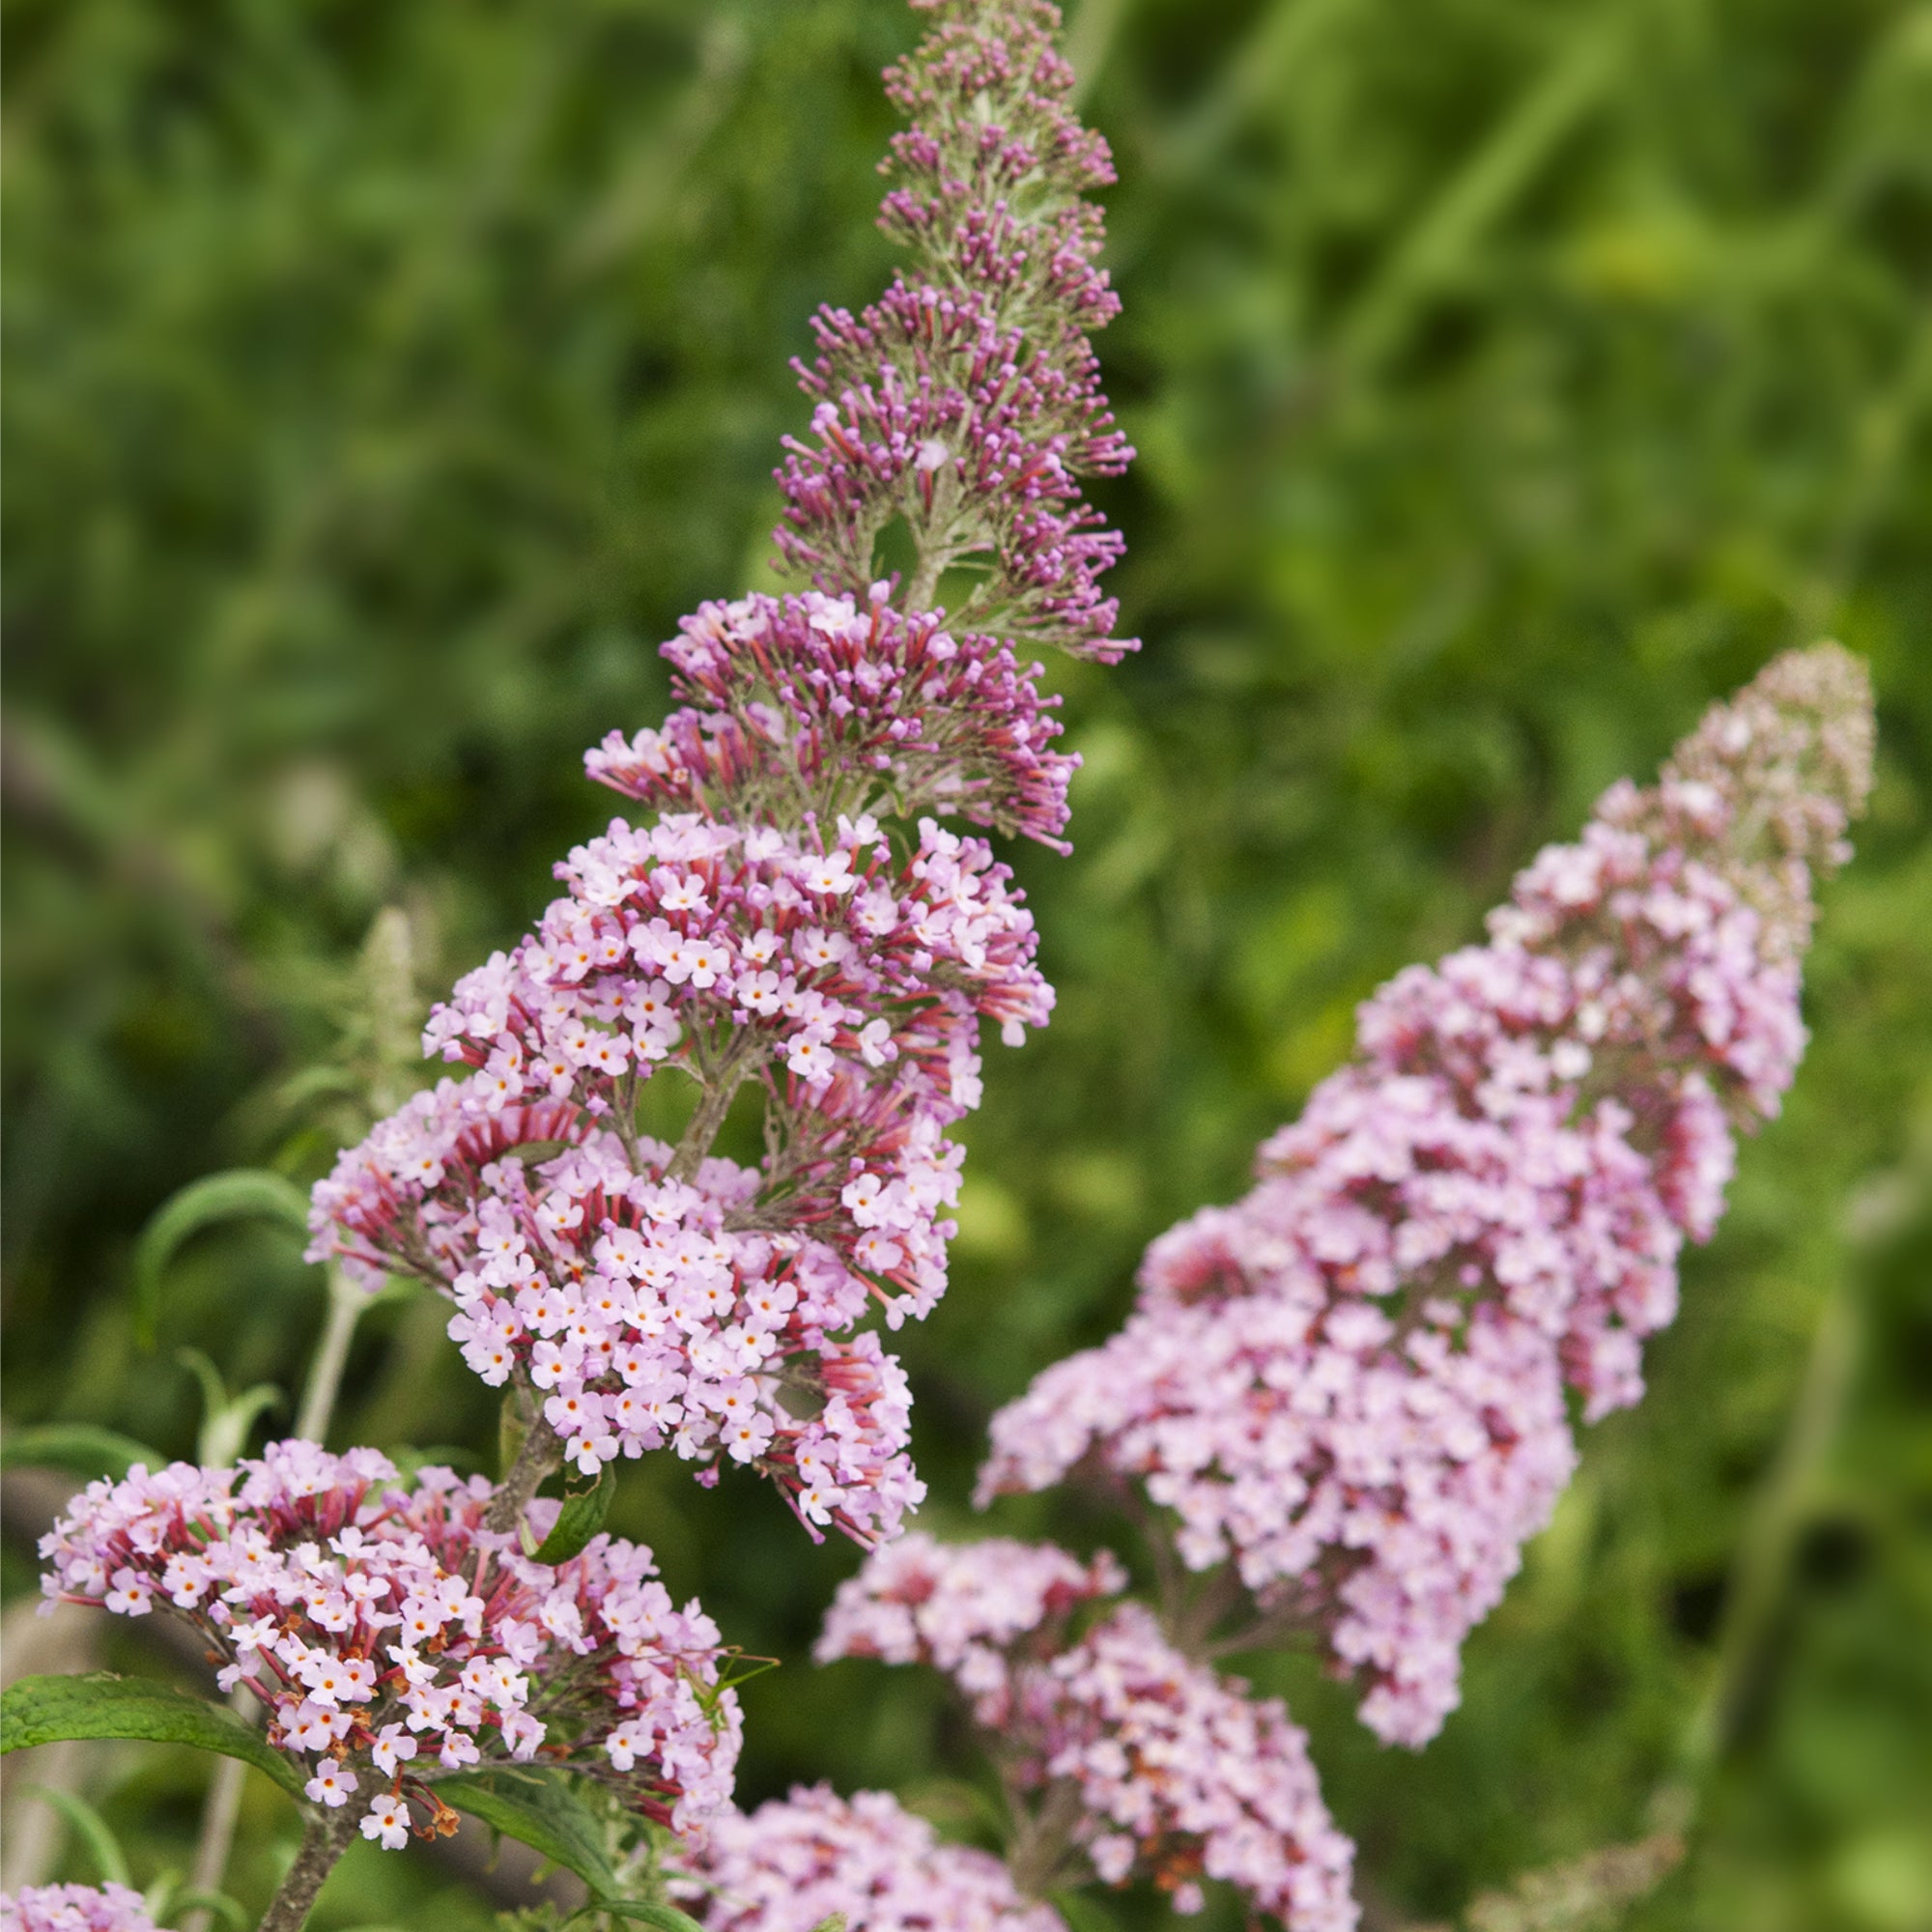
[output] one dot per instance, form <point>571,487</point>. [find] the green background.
<point>1511,377</point>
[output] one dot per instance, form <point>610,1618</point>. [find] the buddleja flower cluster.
<point>76,1908</point>
<point>1352,1386</point>
<point>1143,1758</point>
<point>796,1862</point>
<point>391,1637</point>
<point>967,402</point>
<point>795,918</point>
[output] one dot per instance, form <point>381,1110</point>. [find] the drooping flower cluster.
<point>966,402</point>
<point>392,1638</point>
<point>1352,1385</point>
<point>1151,1763</point>
<point>796,921</point>
<point>795,1862</point>
<point>76,1908</point>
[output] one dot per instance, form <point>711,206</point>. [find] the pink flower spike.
<point>1352,1385</point>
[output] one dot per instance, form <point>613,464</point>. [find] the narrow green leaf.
<point>213,1389</point>
<point>201,1203</point>
<point>162,1894</point>
<point>91,1828</point>
<point>226,1419</point>
<point>210,1902</point>
<point>78,1447</point>
<point>229,1910</point>
<point>1082,1912</point>
<point>44,1710</point>
<point>580,1518</point>
<point>649,1912</point>
<point>535,1805</point>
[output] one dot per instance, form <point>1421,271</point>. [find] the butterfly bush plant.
<point>1341,1405</point>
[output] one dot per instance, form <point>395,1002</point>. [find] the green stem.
<point>1763,1557</point>
<point>346,1303</point>
<point>218,1815</point>
<point>1041,1839</point>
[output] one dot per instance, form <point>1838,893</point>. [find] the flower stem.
<point>325,1838</point>
<point>346,1303</point>
<point>704,1124</point>
<point>218,1816</point>
<point>542,1451</point>
<point>1040,1839</point>
<point>1760,1574</point>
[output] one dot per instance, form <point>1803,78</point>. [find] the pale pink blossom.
<point>795,1862</point>
<point>392,1637</point>
<point>76,1908</point>
<point>1352,1385</point>
<point>1178,1776</point>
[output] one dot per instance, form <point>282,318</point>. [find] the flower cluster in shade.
<point>1354,1385</point>
<point>1173,1774</point>
<point>76,1908</point>
<point>392,1638</point>
<point>795,1862</point>
<point>960,1607</point>
<point>966,403</point>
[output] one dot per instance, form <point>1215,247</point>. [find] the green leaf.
<point>226,1419</point>
<point>202,1204</point>
<point>649,1912</point>
<point>1082,1912</point>
<point>580,1520</point>
<point>78,1447</point>
<point>535,1805</point>
<point>45,1710</point>
<point>227,1909</point>
<point>211,1902</point>
<point>91,1828</point>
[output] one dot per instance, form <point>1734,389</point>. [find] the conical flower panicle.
<point>1354,1385</point>
<point>796,919</point>
<point>966,402</point>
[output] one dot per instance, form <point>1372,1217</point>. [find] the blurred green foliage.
<point>1511,377</point>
